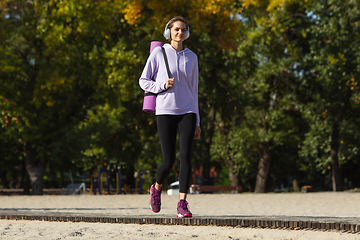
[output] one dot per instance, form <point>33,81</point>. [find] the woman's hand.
<point>169,83</point>
<point>197,132</point>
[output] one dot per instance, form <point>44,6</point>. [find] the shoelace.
<point>156,197</point>
<point>184,205</point>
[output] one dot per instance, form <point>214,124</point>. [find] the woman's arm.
<point>147,80</point>
<point>196,90</point>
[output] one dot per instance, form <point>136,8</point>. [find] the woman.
<point>176,108</point>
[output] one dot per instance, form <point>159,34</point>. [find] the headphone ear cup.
<point>166,33</point>
<point>187,35</point>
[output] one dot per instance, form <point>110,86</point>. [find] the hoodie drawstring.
<point>184,63</point>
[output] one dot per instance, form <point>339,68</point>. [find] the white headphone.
<point>167,32</point>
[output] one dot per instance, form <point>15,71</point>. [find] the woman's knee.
<point>166,166</point>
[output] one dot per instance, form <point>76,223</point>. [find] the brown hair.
<point>177,18</point>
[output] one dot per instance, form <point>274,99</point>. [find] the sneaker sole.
<point>186,215</point>
<point>151,207</point>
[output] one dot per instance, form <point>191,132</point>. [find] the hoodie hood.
<point>181,55</point>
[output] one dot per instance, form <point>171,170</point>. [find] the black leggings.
<point>167,128</point>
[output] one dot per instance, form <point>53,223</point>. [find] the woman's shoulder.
<point>187,49</point>
<point>188,52</point>
<point>156,51</point>
<point>155,54</point>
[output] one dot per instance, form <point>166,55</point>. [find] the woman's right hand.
<point>169,83</point>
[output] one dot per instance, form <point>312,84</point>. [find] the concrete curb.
<point>351,225</point>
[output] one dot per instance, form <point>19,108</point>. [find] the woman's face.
<point>178,31</point>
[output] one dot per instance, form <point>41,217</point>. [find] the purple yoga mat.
<point>149,104</point>
<point>155,44</point>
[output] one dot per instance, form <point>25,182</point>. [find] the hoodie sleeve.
<point>147,80</point>
<point>196,88</point>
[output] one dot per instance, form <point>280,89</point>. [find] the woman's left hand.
<point>197,132</point>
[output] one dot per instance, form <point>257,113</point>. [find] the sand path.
<point>326,205</point>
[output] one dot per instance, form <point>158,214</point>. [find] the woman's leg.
<point>186,132</point>
<point>167,129</point>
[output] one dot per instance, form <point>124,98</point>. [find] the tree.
<point>52,73</point>
<point>273,36</point>
<point>10,149</point>
<point>331,85</point>
<point>214,32</point>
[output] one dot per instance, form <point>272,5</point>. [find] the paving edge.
<point>223,222</point>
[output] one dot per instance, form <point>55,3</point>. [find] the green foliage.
<point>273,74</point>
<point>333,81</point>
<point>59,53</point>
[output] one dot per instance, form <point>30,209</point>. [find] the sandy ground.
<point>66,230</point>
<point>203,205</point>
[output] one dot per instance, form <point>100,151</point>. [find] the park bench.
<point>208,188</point>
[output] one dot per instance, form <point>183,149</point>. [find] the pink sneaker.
<point>182,209</point>
<point>155,199</point>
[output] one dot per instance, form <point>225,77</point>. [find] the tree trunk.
<point>20,178</point>
<point>232,176</point>
<point>336,175</point>
<point>263,170</point>
<point>295,185</point>
<point>130,178</point>
<point>35,170</point>
<point>4,181</point>
<point>335,145</point>
<point>26,185</point>
<point>208,141</point>
<point>264,163</point>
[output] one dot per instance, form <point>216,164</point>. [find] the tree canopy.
<point>278,90</point>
